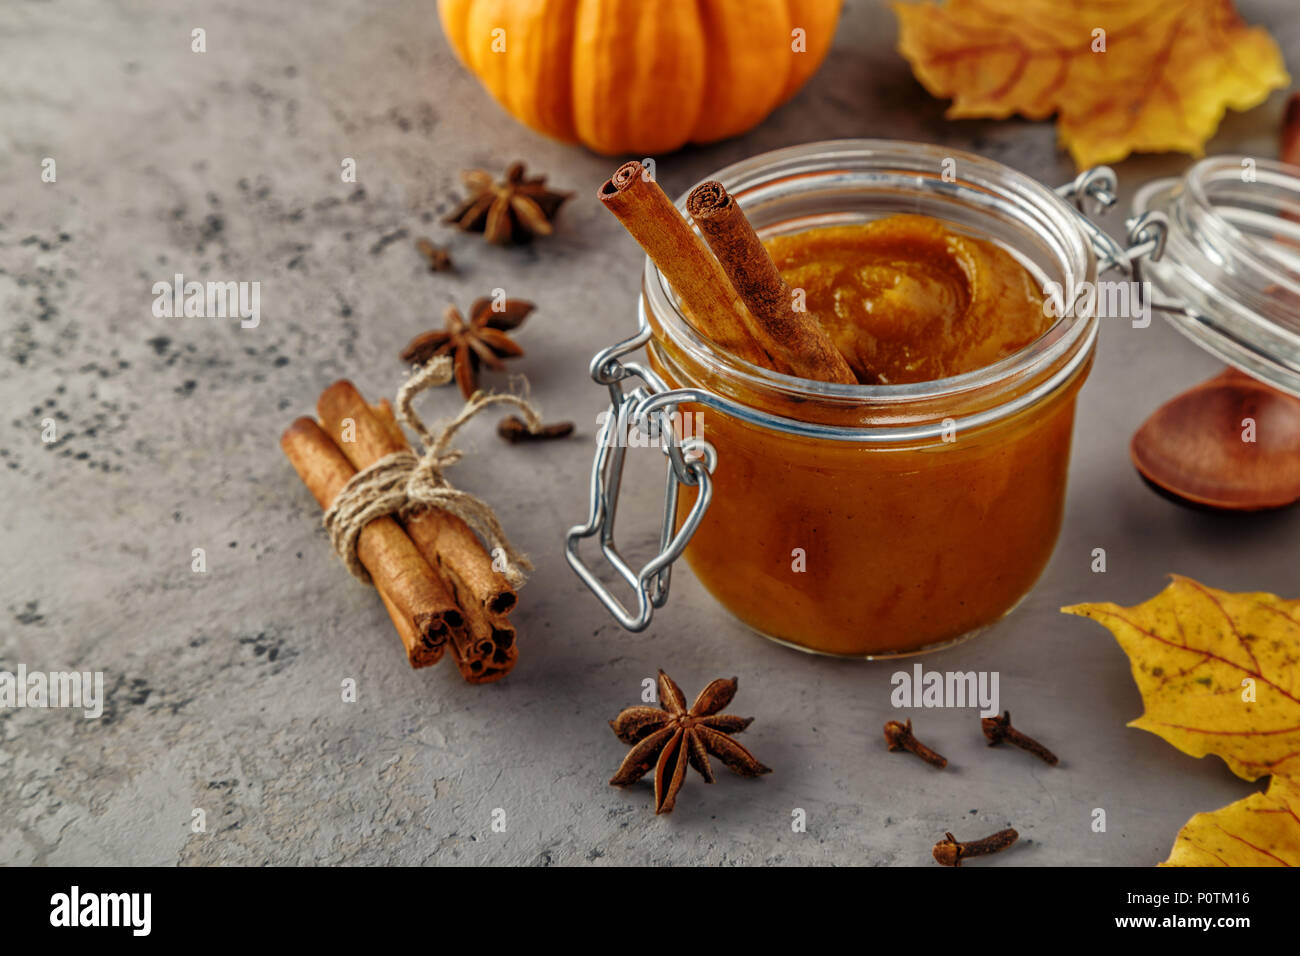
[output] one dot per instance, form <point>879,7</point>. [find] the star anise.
<point>481,340</point>
<point>511,211</point>
<point>667,739</point>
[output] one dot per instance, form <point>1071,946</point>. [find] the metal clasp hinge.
<point>647,409</point>
<point>1094,191</point>
<point>1144,238</point>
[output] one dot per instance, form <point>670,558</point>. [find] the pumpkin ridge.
<point>548,74</point>
<point>636,70</point>
<point>742,86</point>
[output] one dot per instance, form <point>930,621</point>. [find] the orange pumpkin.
<point>640,76</point>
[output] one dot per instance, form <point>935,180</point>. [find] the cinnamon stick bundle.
<point>422,607</point>
<point>804,346</point>
<point>484,648</point>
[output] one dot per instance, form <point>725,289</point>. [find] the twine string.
<point>405,483</point>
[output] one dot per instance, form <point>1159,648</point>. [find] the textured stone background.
<point>224,687</point>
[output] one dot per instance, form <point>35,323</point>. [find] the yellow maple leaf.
<point>1262,830</point>
<point>1143,75</point>
<point>1219,673</point>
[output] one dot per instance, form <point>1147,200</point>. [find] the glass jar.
<point>860,520</point>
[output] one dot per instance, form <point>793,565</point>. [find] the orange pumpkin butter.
<point>630,76</point>
<point>905,299</point>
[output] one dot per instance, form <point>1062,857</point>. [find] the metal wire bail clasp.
<point>647,409</point>
<point>1094,191</point>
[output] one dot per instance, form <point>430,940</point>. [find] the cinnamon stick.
<point>442,537</point>
<point>785,331</point>
<point>649,215</point>
<point>422,607</point>
<point>410,636</point>
<point>483,648</point>
<point>383,410</point>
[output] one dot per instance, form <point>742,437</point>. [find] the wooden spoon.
<point>1193,448</point>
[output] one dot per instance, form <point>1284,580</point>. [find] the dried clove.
<point>899,737</point>
<point>516,431</point>
<point>948,852</point>
<point>998,729</point>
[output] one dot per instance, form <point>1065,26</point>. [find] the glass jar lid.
<point>1229,274</point>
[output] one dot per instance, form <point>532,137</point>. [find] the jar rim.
<point>759,180</point>
<point>1216,215</point>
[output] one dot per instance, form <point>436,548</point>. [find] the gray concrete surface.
<point>224,687</point>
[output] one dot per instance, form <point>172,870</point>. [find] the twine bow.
<point>404,483</point>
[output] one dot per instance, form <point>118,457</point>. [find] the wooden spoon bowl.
<point>1194,447</point>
